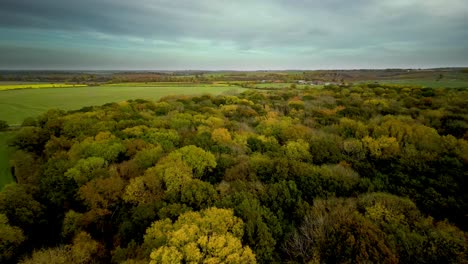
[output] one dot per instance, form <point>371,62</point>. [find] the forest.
<point>363,173</point>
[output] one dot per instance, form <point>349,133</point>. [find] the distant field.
<point>15,105</point>
<point>16,86</point>
<point>168,84</point>
<point>444,83</point>
<point>285,85</point>
<point>5,174</point>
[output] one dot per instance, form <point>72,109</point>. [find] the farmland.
<point>452,83</point>
<point>15,105</point>
<point>22,85</point>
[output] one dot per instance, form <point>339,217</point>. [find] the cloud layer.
<point>242,34</point>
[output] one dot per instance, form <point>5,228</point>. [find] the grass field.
<point>17,86</point>
<point>285,85</point>
<point>444,83</point>
<point>15,105</point>
<point>5,174</point>
<point>167,84</point>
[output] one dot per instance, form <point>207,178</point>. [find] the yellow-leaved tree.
<point>209,236</point>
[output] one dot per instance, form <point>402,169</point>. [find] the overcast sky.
<point>232,34</point>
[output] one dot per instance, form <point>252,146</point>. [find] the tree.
<point>210,236</point>
<point>297,150</point>
<point>87,169</point>
<point>144,189</point>
<point>83,250</point>
<point>382,147</point>
<point>332,232</point>
<point>102,196</point>
<point>31,139</point>
<point>20,206</point>
<point>58,255</point>
<point>11,238</point>
<point>198,194</point>
<point>165,180</point>
<point>221,136</point>
<point>26,167</point>
<point>198,159</point>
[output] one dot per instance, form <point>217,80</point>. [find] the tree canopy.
<point>345,174</point>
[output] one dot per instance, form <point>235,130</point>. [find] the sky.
<point>232,34</point>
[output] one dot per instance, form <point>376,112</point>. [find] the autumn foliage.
<point>355,174</point>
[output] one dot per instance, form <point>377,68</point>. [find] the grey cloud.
<point>280,28</point>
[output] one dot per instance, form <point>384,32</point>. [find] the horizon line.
<point>232,70</point>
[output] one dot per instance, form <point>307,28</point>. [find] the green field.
<point>444,83</point>
<point>285,85</point>
<point>168,84</point>
<point>5,174</point>
<point>17,86</point>
<point>15,105</point>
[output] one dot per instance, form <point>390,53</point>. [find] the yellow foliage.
<point>84,248</point>
<point>135,131</point>
<point>167,255</point>
<point>144,189</point>
<point>331,112</point>
<point>377,102</point>
<point>59,255</point>
<point>209,236</point>
<point>104,135</point>
<point>229,109</point>
<point>214,122</point>
<point>379,212</point>
<point>383,147</point>
<point>221,135</point>
<point>297,150</point>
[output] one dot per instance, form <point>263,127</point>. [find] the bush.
<point>3,125</point>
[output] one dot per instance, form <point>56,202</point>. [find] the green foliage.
<point>87,169</point>
<point>20,206</point>
<point>11,238</point>
<point>31,139</point>
<point>104,146</point>
<point>196,158</point>
<point>148,157</point>
<point>6,153</point>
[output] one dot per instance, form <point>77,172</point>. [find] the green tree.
<point>11,238</point>
<point>87,169</point>
<point>198,159</point>
<point>20,206</point>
